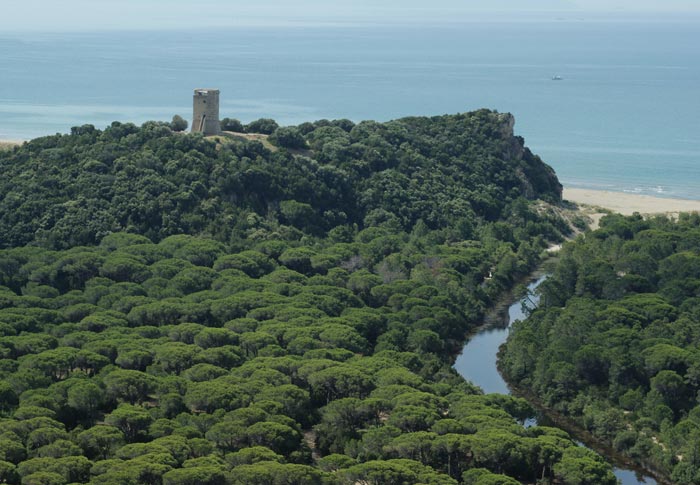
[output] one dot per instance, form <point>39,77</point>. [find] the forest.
<point>614,343</point>
<point>183,310</point>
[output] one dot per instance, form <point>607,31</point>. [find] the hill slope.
<point>176,310</point>
<point>62,191</point>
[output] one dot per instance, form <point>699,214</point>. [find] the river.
<point>477,363</point>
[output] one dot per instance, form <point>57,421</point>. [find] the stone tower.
<point>205,112</point>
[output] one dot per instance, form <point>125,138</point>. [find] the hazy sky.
<point>149,14</point>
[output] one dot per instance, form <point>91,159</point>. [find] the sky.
<point>81,15</point>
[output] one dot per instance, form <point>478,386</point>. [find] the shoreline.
<point>627,204</point>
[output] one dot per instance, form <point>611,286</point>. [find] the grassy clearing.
<point>230,135</point>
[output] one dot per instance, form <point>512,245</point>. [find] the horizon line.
<point>468,17</point>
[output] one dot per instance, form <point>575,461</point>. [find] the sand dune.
<point>9,143</point>
<point>630,203</point>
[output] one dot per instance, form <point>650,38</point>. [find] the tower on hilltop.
<point>205,112</point>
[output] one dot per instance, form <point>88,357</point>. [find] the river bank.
<point>581,434</point>
<point>484,345</point>
<point>478,363</point>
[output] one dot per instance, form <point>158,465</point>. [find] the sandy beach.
<point>627,204</point>
<point>9,143</point>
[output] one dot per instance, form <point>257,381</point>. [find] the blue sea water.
<point>625,116</point>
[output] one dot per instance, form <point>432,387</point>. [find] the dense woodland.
<point>615,341</point>
<point>448,172</point>
<point>182,310</point>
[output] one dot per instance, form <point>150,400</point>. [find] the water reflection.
<point>477,363</point>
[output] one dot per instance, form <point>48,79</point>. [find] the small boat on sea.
<point>557,78</point>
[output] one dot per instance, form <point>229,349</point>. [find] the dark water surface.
<point>477,363</point>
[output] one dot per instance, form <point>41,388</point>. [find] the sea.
<point>611,102</point>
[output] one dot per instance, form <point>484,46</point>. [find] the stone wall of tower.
<point>205,112</point>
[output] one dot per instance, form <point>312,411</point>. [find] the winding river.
<point>477,363</point>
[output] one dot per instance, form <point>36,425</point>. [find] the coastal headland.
<point>590,201</point>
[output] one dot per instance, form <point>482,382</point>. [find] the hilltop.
<point>65,190</point>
